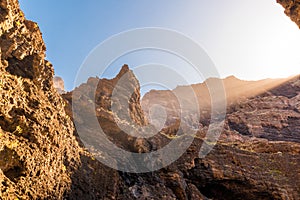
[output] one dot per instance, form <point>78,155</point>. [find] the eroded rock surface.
<point>256,156</point>
<point>37,147</point>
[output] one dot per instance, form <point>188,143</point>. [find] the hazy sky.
<point>251,39</point>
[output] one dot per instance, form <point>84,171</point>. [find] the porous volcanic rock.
<point>38,151</point>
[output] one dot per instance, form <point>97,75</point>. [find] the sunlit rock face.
<point>256,156</point>
<point>101,93</point>
<point>261,130</point>
<point>38,151</point>
<point>59,84</point>
<point>292,9</point>
<point>236,91</point>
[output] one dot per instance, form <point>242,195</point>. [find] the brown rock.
<point>38,151</point>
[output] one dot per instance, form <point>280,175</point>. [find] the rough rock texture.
<point>235,91</point>
<point>157,185</point>
<point>59,84</point>
<point>40,157</point>
<point>259,168</point>
<point>257,154</point>
<point>292,9</point>
<point>255,169</point>
<point>274,115</point>
<point>112,110</point>
<point>37,147</point>
<point>257,163</point>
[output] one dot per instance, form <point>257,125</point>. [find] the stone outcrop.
<point>292,9</point>
<point>59,84</point>
<point>37,147</point>
<point>116,100</point>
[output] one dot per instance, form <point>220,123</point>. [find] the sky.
<point>250,39</point>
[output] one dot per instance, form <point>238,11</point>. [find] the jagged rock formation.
<point>242,164</point>
<point>254,159</point>
<point>112,112</point>
<point>37,147</point>
<point>292,9</point>
<point>122,185</point>
<point>40,157</point>
<point>59,84</point>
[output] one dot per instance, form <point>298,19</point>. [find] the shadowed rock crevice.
<point>11,164</point>
<point>3,14</point>
<point>239,126</point>
<point>23,68</point>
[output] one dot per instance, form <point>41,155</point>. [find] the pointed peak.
<point>123,70</point>
<point>125,67</point>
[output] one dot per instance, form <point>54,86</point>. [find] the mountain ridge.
<point>271,133</point>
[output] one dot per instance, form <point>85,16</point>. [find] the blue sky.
<point>251,39</point>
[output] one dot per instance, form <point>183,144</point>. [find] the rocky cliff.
<point>37,146</point>
<point>236,91</point>
<point>256,156</point>
<point>261,130</point>
<point>116,113</point>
